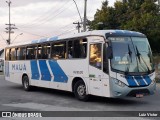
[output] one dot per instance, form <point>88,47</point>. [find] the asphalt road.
<point>14,98</point>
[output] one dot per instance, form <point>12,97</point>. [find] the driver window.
<point>95,55</point>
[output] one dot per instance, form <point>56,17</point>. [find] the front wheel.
<point>26,84</point>
<point>80,91</point>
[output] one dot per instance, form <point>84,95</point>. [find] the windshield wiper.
<point>130,53</point>
<point>130,56</point>
<point>140,57</point>
<point>149,55</point>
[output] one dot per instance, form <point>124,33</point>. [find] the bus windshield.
<point>131,54</point>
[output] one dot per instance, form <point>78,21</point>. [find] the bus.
<point>107,63</point>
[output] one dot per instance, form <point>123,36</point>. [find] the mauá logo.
<point>21,67</point>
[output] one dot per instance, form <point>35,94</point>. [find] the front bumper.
<point>118,91</point>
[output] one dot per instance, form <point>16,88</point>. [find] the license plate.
<point>139,95</point>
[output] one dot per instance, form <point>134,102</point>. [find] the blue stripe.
<point>44,70</point>
<point>59,75</point>
<point>131,81</point>
<point>140,81</point>
<point>34,70</point>
<point>148,80</point>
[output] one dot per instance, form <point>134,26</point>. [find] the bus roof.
<point>95,32</point>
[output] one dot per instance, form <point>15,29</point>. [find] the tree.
<point>145,18</point>
<point>104,16</point>
<point>136,15</point>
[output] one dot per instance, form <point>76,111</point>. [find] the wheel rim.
<point>81,90</point>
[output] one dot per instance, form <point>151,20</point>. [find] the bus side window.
<point>13,54</point>
<point>31,52</point>
<point>46,51</point>
<point>95,58</point>
<point>77,52</point>
<point>39,52</point>
<point>77,48</point>
<point>21,53</point>
<point>70,49</point>
<point>18,54</point>
<point>7,54</point>
<point>80,48</point>
<point>35,52</point>
<point>83,43</point>
<point>59,50</point>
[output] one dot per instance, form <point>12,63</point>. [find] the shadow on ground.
<point>92,99</point>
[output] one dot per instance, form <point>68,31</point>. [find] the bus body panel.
<point>49,79</point>
<point>59,74</point>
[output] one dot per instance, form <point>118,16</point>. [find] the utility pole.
<point>78,26</point>
<point>9,28</point>
<point>85,16</point>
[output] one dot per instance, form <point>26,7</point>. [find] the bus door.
<point>95,68</point>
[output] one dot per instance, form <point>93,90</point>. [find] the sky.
<point>36,19</point>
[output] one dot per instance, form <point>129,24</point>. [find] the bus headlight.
<point>119,83</point>
<point>153,82</point>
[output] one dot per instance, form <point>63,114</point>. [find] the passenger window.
<point>44,51</point>
<point>7,54</point>
<point>59,50</point>
<point>13,54</point>
<point>95,58</point>
<point>39,52</point>
<point>77,48</point>
<point>21,53</point>
<point>31,52</point>
<point>70,49</point>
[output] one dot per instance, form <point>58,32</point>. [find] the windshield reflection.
<point>131,54</point>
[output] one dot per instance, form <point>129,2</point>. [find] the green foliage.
<point>137,15</point>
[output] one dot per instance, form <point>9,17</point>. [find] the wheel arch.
<point>76,79</point>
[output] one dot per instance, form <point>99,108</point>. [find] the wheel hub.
<point>81,90</point>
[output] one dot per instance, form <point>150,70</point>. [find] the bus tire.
<point>25,83</point>
<point>80,91</point>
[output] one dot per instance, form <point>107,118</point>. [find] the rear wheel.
<point>26,84</point>
<point>80,91</point>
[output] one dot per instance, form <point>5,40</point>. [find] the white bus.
<point>108,63</point>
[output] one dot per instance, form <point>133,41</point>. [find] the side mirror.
<point>109,52</point>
